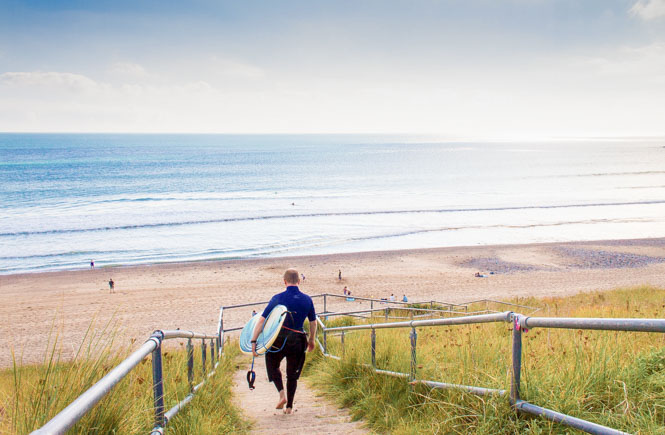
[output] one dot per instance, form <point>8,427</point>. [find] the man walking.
<point>292,341</point>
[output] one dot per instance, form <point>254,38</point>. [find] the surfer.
<point>291,341</point>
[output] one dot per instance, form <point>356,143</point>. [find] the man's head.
<point>291,277</point>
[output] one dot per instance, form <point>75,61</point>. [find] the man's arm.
<point>257,331</point>
<point>312,335</point>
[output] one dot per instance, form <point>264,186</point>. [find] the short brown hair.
<point>291,276</point>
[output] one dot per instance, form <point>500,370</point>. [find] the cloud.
<point>235,68</point>
<point>643,65</point>
<point>649,9</point>
<point>60,80</point>
<point>129,70</point>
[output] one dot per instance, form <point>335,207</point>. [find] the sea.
<point>126,199</point>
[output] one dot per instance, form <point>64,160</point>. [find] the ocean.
<point>124,199</point>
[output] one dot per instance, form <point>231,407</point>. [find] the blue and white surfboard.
<point>269,334</point>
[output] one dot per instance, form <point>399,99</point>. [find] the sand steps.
<point>314,414</point>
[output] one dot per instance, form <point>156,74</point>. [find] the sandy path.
<point>314,414</point>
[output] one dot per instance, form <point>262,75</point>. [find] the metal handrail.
<point>466,320</point>
<point>399,305</point>
<point>69,416</point>
<point>520,324</point>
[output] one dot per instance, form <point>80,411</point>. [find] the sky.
<point>458,69</point>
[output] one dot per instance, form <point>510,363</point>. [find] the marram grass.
<point>30,395</point>
<point>616,379</point>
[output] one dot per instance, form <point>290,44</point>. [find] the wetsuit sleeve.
<point>311,315</point>
<point>272,304</point>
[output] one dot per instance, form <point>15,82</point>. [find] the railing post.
<point>158,382</point>
<point>373,347</point>
<point>371,307</point>
<point>212,354</point>
<point>325,341</point>
<point>387,314</point>
<point>517,360</point>
<point>325,309</point>
<point>190,364</point>
<point>220,333</point>
<point>203,356</point>
<point>414,338</point>
<point>343,343</point>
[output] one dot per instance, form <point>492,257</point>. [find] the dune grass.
<point>30,395</point>
<point>615,379</point>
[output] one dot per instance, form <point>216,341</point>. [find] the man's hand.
<point>257,331</point>
<point>310,345</point>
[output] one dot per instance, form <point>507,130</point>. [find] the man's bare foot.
<point>281,403</point>
<point>288,410</point>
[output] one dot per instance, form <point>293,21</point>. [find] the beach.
<point>188,295</point>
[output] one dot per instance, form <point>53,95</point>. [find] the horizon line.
<point>438,136</point>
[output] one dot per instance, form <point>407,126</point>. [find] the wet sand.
<point>188,295</point>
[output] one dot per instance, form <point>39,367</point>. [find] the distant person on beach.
<point>346,290</point>
<point>253,313</point>
<point>302,277</point>
<point>111,286</point>
<point>340,274</point>
<point>392,297</point>
<point>405,299</point>
<point>92,264</point>
<point>292,342</point>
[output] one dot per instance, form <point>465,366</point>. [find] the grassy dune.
<point>31,395</point>
<point>612,378</point>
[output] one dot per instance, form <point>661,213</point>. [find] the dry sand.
<point>188,295</point>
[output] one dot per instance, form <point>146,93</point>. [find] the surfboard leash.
<point>251,376</point>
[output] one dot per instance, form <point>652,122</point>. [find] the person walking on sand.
<point>340,274</point>
<point>292,342</point>
<point>92,264</point>
<point>111,286</point>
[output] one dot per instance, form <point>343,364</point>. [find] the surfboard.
<point>269,334</point>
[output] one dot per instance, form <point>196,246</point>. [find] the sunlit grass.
<point>30,395</point>
<point>615,379</point>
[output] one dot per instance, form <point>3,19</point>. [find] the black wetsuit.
<point>291,340</point>
<point>294,352</point>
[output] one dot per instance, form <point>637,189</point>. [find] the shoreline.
<point>314,256</point>
<point>187,295</point>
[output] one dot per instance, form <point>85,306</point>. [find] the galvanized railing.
<point>69,416</point>
<point>520,323</point>
<point>384,306</point>
<point>375,305</point>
